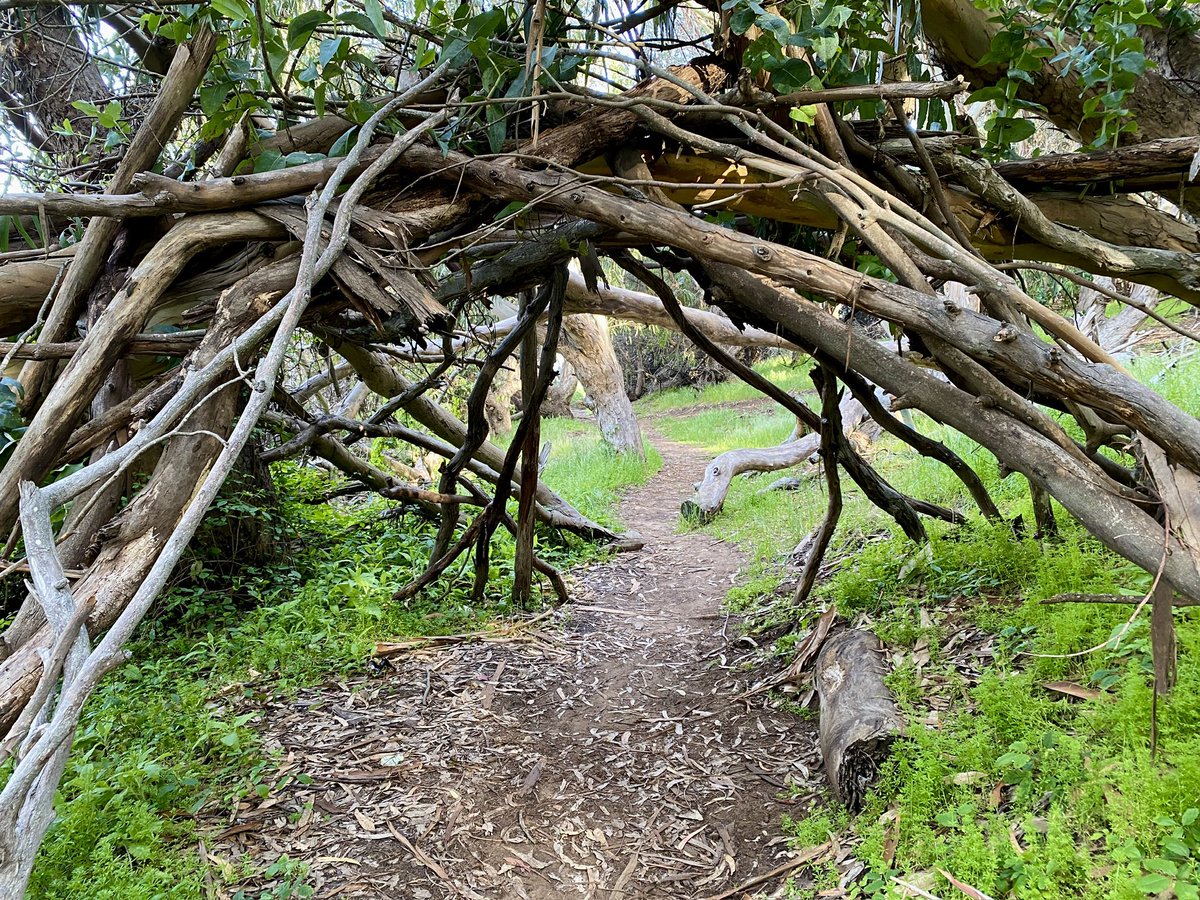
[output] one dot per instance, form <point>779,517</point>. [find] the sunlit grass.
<point>788,371</point>
<point>718,430</point>
<point>588,473</point>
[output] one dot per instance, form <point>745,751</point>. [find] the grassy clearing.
<point>587,472</point>
<point>718,430</point>
<point>161,738</point>
<point>790,374</point>
<point>1015,791</point>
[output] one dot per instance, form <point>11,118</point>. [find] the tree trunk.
<point>562,391</point>
<point>499,404</point>
<point>859,716</point>
<point>587,344</point>
<point>44,69</point>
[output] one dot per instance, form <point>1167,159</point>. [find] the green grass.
<point>1092,813</point>
<point>584,470</point>
<point>161,738</point>
<point>789,373</point>
<point>718,430</point>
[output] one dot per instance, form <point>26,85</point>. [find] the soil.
<point>603,751</point>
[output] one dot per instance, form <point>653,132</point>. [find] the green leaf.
<point>740,21</point>
<point>359,21</point>
<point>992,92</point>
<point>237,10</point>
<point>375,13</point>
<point>790,75</point>
<point>300,29</point>
<point>497,128</point>
<point>1015,760</point>
<point>485,24</point>
<point>212,97</point>
<point>1186,891</point>
<point>806,115</point>
<point>330,47</point>
<point>342,145</point>
<point>301,157</point>
<point>269,160</point>
<point>826,47</point>
<point>1009,130</point>
<point>359,111</point>
<point>774,26</point>
<point>1189,816</point>
<point>1176,848</point>
<point>838,16</point>
<point>87,108</point>
<point>1162,866</point>
<point>1153,884</point>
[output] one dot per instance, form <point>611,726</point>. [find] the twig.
<point>806,857</point>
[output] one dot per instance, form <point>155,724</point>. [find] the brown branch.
<point>831,436</point>
<point>173,344</point>
<point>919,90</point>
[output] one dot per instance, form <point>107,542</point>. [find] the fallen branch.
<point>806,857</point>
<point>859,716</point>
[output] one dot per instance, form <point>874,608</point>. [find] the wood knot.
<point>1006,334</point>
<point>763,252</point>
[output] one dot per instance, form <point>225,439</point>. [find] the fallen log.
<point>710,493</point>
<point>859,717</point>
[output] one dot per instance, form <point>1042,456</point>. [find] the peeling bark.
<point>587,344</point>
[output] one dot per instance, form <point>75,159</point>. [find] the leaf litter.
<point>606,750</point>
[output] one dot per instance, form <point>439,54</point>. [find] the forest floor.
<point>605,751</point>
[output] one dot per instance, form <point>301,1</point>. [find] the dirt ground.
<point>604,752</point>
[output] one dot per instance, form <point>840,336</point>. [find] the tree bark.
<point>859,717</point>
<point>587,344</point>
<point>44,69</point>
<point>499,404</point>
<point>562,391</point>
<point>706,503</point>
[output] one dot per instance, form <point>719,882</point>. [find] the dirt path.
<point>605,756</point>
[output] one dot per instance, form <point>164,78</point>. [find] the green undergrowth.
<point>588,472</point>
<point>1015,790</point>
<point>164,737</point>
<point>1011,788</point>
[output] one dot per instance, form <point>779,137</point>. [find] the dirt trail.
<point>603,756</point>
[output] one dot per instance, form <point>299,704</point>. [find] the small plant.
<point>290,873</point>
<point>1176,866</point>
